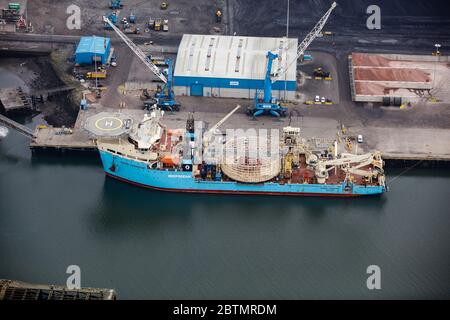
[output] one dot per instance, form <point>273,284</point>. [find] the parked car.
<point>360,138</point>
<point>317,99</point>
<point>114,60</point>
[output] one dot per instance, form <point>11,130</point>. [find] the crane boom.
<point>348,158</point>
<point>137,51</point>
<point>350,163</point>
<point>218,124</point>
<point>307,41</point>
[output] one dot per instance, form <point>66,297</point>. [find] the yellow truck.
<point>96,75</point>
<point>157,26</point>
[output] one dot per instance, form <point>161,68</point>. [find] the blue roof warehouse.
<point>91,49</point>
<point>233,66</point>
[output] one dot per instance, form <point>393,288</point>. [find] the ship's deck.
<point>169,141</point>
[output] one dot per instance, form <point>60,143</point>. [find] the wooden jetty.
<point>17,126</point>
<point>48,138</point>
<point>17,290</point>
<point>14,100</point>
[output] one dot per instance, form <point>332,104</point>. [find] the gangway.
<point>52,91</point>
<point>17,126</point>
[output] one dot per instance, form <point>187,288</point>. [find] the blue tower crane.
<point>165,98</point>
<point>268,104</point>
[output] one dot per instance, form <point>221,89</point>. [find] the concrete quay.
<point>404,144</point>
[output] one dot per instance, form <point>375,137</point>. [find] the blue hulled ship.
<point>153,156</point>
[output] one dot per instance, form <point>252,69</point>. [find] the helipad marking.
<point>109,124</point>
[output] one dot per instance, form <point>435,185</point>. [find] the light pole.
<point>287,40</point>
<point>287,20</point>
<point>437,53</point>
<point>437,45</point>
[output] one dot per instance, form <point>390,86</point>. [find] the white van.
<point>360,138</point>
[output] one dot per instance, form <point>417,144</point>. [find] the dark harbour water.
<point>59,211</point>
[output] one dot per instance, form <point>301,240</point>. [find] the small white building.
<point>233,66</point>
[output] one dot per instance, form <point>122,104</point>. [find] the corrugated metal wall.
<point>88,50</point>
<point>231,66</point>
<point>232,93</point>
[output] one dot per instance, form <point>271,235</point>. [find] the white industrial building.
<point>233,66</point>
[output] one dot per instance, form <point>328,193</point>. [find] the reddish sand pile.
<point>373,89</point>
<point>399,74</point>
<point>363,59</point>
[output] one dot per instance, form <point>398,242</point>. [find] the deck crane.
<point>351,164</point>
<point>165,99</point>
<point>269,104</point>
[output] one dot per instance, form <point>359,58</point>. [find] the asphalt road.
<point>406,26</point>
